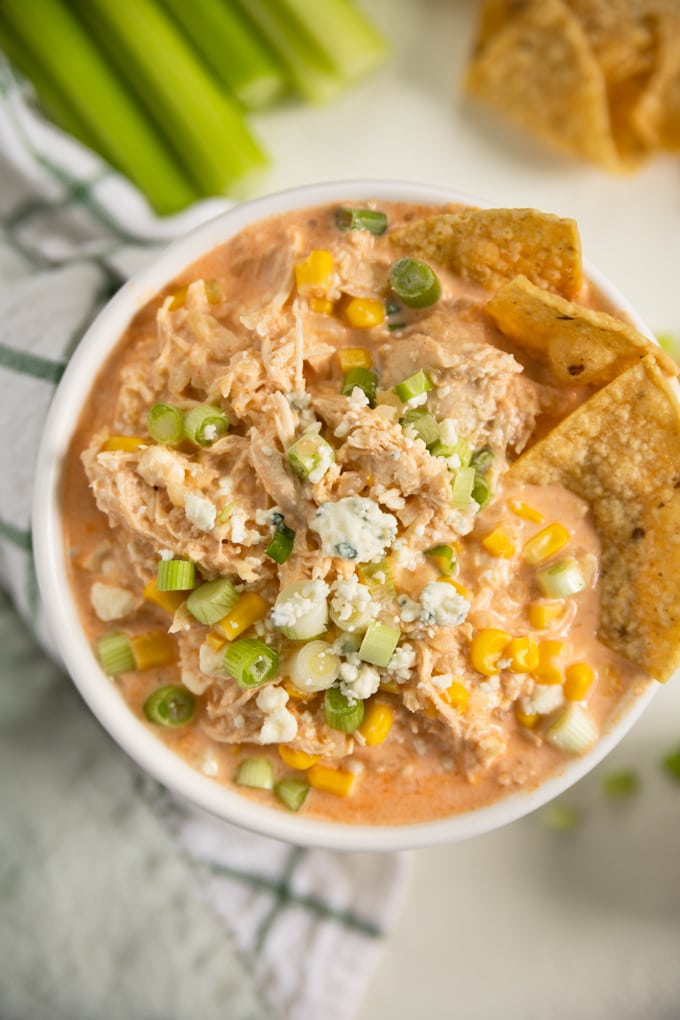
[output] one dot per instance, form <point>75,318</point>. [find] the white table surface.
<point>527,922</point>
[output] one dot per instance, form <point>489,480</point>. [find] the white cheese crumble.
<point>352,606</point>
<point>417,401</point>
<point>200,510</point>
<point>280,725</point>
<point>441,604</point>
<point>110,602</point>
<point>354,528</point>
<point>402,662</point>
<point>358,680</point>
<point>289,611</point>
<point>158,466</point>
<point>544,699</point>
<point>325,460</point>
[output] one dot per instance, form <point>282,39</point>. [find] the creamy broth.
<point>250,338</point>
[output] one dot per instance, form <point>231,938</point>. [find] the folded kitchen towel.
<point>116,899</point>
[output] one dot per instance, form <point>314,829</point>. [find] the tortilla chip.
<point>540,71</point>
<point>620,34</point>
<point>620,451</point>
<point>492,246</point>
<point>656,115</point>
<point>577,343</point>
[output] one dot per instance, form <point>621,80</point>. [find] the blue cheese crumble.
<point>354,528</point>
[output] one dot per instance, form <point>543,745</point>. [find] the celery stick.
<point>344,35</point>
<point>311,72</point>
<point>202,125</point>
<point>239,58</point>
<point>56,42</point>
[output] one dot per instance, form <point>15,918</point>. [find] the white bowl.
<point>60,608</point>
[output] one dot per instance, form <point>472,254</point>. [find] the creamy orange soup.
<point>390,623</point>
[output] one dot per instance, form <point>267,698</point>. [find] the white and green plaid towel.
<point>115,900</point>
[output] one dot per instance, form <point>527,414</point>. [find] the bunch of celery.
<point>160,88</point>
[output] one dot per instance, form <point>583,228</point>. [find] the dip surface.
<point>363,441</point>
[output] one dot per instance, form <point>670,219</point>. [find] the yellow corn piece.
<point>295,693</point>
<point>362,313</point>
<point>170,601</point>
<point>524,510</point>
<point>460,588</point>
<point>430,710</point>
<point>337,781</point>
<point>249,608</point>
<point>179,299</point>
<point>578,679</point>
<point>322,306</point>
<point>391,686</point>
<point>499,543</point>
<point>128,444</point>
<point>456,695</point>
<point>542,614</point>
<point>524,654</point>
<point>377,722</point>
<point>549,668</point>
<point>214,291</point>
<point>528,720</point>
<point>153,649</point>
<point>545,544</point>
<point>215,641</point>
<point>299,760</point>
<point>486,648</point>
<point>314,274</point>
<point>354,357</point>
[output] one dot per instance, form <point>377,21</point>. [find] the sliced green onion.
<point>175,575</point>
<point>251,662</point>
<point>292,792</point>
<point>314,667</point>
<point>424,424</point>
<point>440,449</point>
<point>211,601</point>
<point>415,283</point>
<point>378,578</point>
<point>482,459</point>
<point>619,785</point>
<point>671,764</point>
<point>340,713</point>
<point>281,545</point>
<point>414,386</point>
<point>463,484</point>
<point>481,490</point>
<point>561,817</point>
<point>115,654</point>
<point>301,610</point>
<point>462,450</point>
<point>363,378</point>
<point>573,730</point>
<point>444,557</point>
<point>204,424</point>
<point>361,219</point>
<point>170,706</point>
<point>379,643</point>
<point>562,579</point>
<point>165,423</point>
<point>310,456</point>
<point>257,773</point>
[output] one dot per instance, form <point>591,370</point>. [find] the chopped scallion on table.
<point>251,662</point>
<point>618,785</point>
<point>170,706</point>
<point>671,764</point>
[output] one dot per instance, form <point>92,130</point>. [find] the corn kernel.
<point>322,306</point>
<point>314,274</point>
<point>549,668</point>
<point>153,649</point>
<point>456,695</point>
<point>542,614</point>
<point>214,641</point>
<point>296,694</point>
<point>524,654</point>
<point>499,543</point>
<point>486,648</point>
<point>336,781</point>
<point>526,719</point>
<point>214,291</point>
<point>249,608</point>
<point>578,679</point>
<point>377,722</point>
<point>170,601</point>
<point>128,444</point>
<point>466,593</point>
<point>299,760</point>
<point>362,313</point>
<point>545,544</point>
<point>354,357</point>
<point>391,686</point>
<point>179,299</point>
<point>430,710</point>
<point>524,510</point>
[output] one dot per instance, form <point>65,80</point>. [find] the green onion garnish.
<point>212,600</point>
<point>115,654</point>
<point>281,545</point>
<point>165,423</point>
<point>424,424</point>
<point>414,386</point>
<point>363,378</point>
<point>175,575</point>
<point>481,490</point>
<point>204,424</point>
<point>340,713</point>
<point>310,456</point>
<point>379,643</point>
<point>671,764</point>
<point>170,706</point>
<point>251,662</point>
<point>292,792</point>
<point>415,283</point>
<point>619,785</point>
<point>361,219</point>
<point>561,817</point>
<point>463,484</point>
<point>444,557</point>
<point>562,579</point>
<point>257,773</point>
<point>482,459</point>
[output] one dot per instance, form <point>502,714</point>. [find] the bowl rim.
<point>61,616</point>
